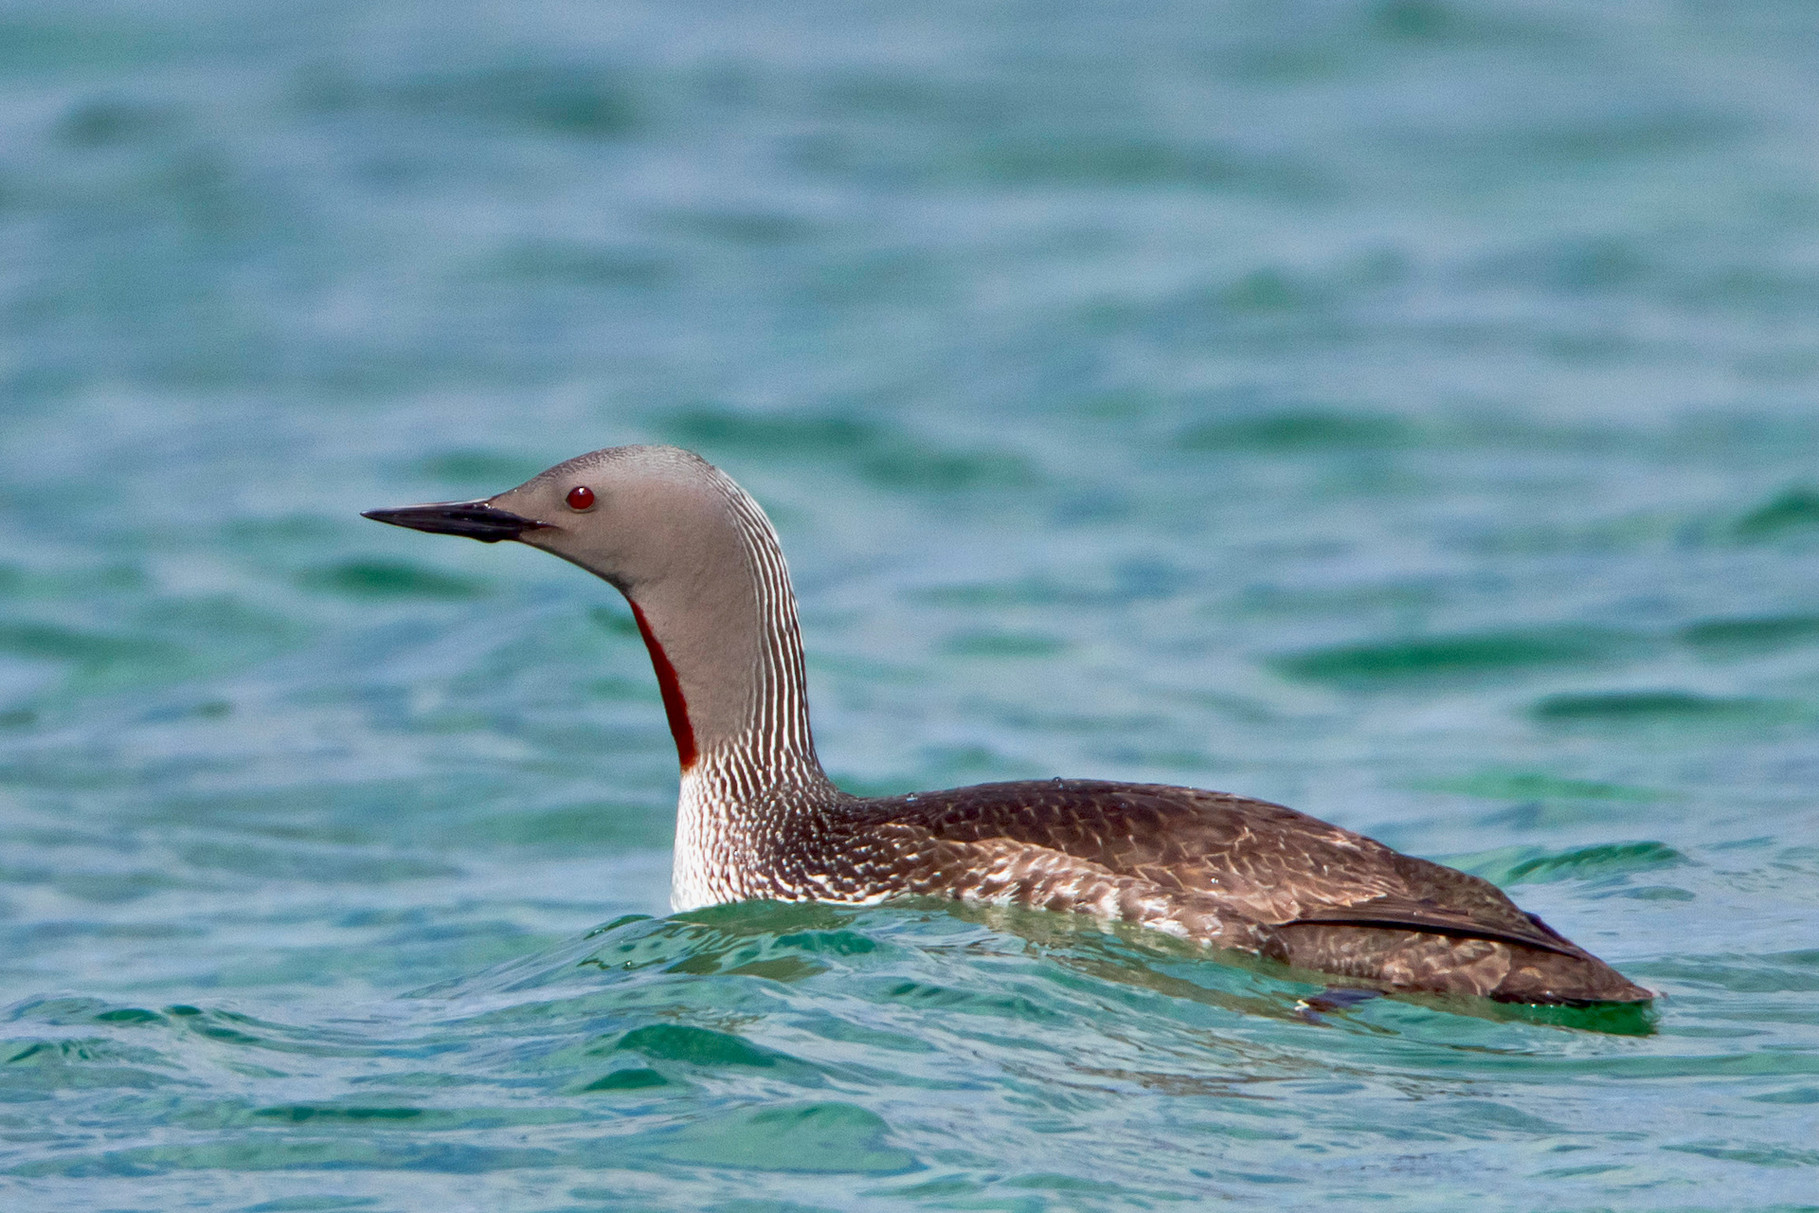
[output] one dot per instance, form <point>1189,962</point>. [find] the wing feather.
<point>1438,920</point>
<point>1255,861</point>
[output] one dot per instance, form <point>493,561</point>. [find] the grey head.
<point>617,513</point>
<point>700,565</point>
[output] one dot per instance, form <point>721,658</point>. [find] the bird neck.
<point>727,651</point>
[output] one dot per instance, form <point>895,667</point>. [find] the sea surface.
<point>1407,411</point>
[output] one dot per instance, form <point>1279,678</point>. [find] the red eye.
<point>581,498</point>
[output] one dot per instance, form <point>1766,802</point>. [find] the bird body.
<point>758,818</point>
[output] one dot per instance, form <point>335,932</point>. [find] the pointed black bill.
<point>475,519</point>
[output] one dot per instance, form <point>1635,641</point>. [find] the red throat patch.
<point>674,705</point>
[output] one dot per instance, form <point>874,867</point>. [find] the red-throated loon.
<point>700,565</point>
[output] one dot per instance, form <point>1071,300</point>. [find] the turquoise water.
<point>1405,411</point>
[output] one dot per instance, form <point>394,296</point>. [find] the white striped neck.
<point>728,657</point>
<point>732,828</point>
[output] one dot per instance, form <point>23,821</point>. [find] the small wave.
<point>1474,653</point>
<point>1521,865</point>
<point>388,579</point>
<point>1663,707</point>
<point>882,455</point>
<point>1756,634</point>
<point>1792,512</point>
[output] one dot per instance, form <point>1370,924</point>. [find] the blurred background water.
<point>1403,410</point>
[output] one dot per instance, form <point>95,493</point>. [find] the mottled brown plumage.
<point>1218,869</point>
<point>701,566</point>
